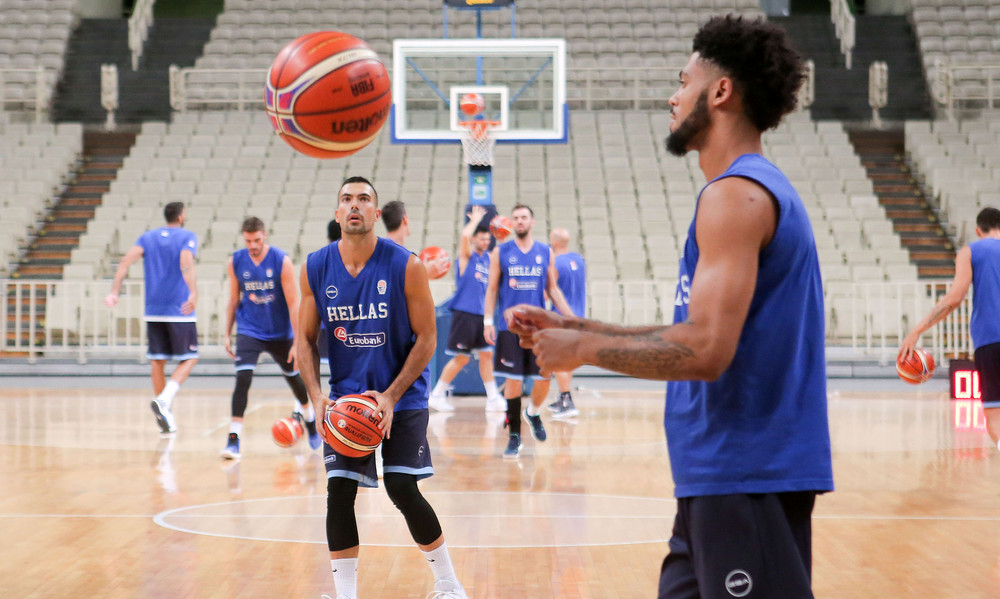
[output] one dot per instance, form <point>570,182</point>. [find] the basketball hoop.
<point>478,139</point>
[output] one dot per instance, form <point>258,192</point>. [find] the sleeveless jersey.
<point>262,312</point>
<point>573,281</point>
<point>985,325</point>
<point>470,285</point>
<point>762,426</point>
<point>368,326</point>
<point>523,276</point>
<point>166,290</point>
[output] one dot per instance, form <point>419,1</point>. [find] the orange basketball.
<point>916,369</point>
<point>352,427</point>
<point>327,94</point>
<point>286,432</point>
<point>471,104</point>
<point>501,227</point>
<point>436,260</point>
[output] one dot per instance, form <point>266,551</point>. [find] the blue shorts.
<point>406,452</point>
<point>465,336</point>
<point>172,340</point>
<point>512,361</point>
<point>988,364</point>
<point>248,350</point>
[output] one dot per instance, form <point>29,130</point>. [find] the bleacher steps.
<point>913,219</point>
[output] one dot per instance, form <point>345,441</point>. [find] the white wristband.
<point>487,321</point>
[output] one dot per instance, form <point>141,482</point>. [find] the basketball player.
<point>465,337</point>
<point>572,272</point>
<point>521,272</point>
<point>977,262</point>
<point>264,304</point>
<point>745,419</point>
<point>376,301</point>
<point>171,293</point>
<point>332,234</point>
<point>397,223</point>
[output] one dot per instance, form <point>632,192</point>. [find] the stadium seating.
<point>33,34</point>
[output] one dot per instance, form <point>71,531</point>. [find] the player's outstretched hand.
<point>112,300</point>
<point>476,214</point>
<point>384,407</point>
<point>525,320</point>
<point>908,345</point>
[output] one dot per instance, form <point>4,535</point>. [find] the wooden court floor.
<point>94,503</point>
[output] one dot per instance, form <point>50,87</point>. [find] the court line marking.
<point>251,410</point>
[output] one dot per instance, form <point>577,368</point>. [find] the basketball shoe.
<point>537,428</point>
<point>446,589</point>
<point>315,441</point>
<point>496,404</point>
<point>513,447</point>
<point>440,403</point>
<point>232,449</point>
<point>164,417</point>
<point>564,407</point>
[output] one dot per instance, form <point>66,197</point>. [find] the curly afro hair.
<point>757,55</point>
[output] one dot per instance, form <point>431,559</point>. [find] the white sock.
<point>236,427</point>
<point>345,576</point>
<point>440,563</point>
<point>491,389</point>
<point>440,388</point>
<point>531,409</point>
<point>308,412</point>
<point>998,444</point>
<point>168,393</point>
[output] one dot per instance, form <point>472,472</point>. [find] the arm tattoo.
<point>647,354</point>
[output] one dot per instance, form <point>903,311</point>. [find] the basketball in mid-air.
<point>327,94</point>
<point>286,432</point>
<point>436,260</point>
<point>917,368</point>
<point>352,426</point>
<point>471,104</point>
<point>501,227</point>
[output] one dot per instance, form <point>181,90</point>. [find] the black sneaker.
<point>537,429</point>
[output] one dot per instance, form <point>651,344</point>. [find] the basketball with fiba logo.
<point>327,94</point>
<point>352,427</point>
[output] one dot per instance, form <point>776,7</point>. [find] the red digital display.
<point>964,379</point>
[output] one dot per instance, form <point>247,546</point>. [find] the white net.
<point>478,140</point>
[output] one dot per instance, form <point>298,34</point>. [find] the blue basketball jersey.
<point>166,290</point>
<point>985,324</point>
<point>262,312</point>
<point>470,284</point>
<point>367,321</point>
<point>572,272</point>
<point>523,276</point>
<point>762,426</point>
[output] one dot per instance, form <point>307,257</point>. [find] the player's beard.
<point>696,122</point>
<point>523,234</point>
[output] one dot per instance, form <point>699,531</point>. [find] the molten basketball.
<point>352,427</point>
<point>916,369</point>
<point>501,227</point>
<point>471,104</point>
<point>286,432</point>
<point>328,94</point>
<point>436,260</point>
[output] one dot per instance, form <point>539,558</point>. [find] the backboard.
<point>523,82</point>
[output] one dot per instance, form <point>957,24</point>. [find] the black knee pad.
<point>341,524</point>
<point>420,517</point>
<point>240,392</point>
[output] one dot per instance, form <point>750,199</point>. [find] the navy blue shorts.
<point>988,364</point>
<point>172,340</point>
<point>406,452</point>
<point>754,546</point>
<point>465,336</point>
<point>512,361</point>
<point>248,350</point>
